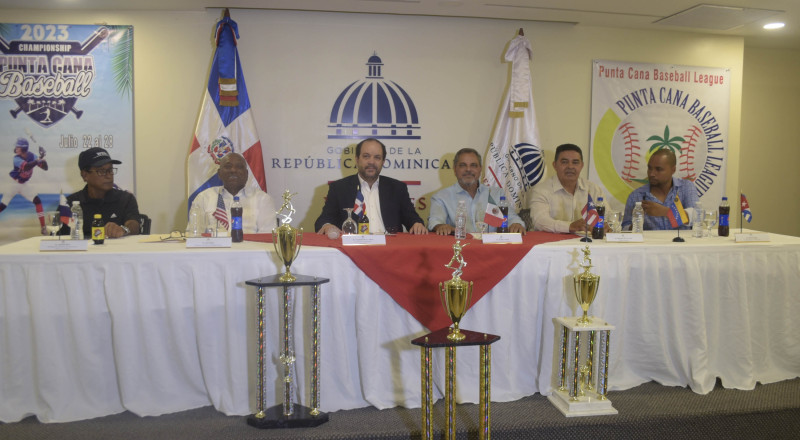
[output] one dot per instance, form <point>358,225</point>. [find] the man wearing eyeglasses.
<point>119,208</point>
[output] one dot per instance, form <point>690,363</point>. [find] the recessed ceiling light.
<point>774,25</point>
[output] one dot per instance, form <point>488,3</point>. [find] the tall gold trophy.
<point>586,284</point>
<point>456,293</point>
<point>287,240</point>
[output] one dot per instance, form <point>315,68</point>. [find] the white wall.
<point>770,153</point>
<point>173,51</point>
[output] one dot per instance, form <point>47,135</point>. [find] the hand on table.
<point>418,229</point>
<point>443,229</point>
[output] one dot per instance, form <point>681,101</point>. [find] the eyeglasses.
<point>103,172</point>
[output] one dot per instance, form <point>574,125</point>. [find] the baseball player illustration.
<point>24,164</point>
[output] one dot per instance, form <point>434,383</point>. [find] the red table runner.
<point>410,267</point>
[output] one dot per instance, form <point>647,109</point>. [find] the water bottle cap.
<point>600,199</point>
<point>724,198</point>
<point>75,202</point>
<point>98,216</point>
<point>502,197</point>
<point>235,198</point>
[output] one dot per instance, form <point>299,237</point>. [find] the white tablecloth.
<point>155,328</point>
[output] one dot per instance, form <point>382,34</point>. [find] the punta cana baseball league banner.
<point>63,89</point>
<point>639,108</point>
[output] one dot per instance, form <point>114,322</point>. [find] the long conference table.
<point>155,328</point>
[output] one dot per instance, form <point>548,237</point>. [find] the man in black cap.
<point>119,208</point>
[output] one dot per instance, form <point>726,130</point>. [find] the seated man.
<point>119,208</point>
<point>658,195</point>
<point>258,209</point>
<point>556,203</point>
<point>386,200</point>
<point>467,168</point>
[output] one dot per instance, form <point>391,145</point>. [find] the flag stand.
<point>586,238</point>
<point>678,239</point>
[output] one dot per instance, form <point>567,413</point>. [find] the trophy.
<point>586,284</point>
<point>456,293</point>
<point>287,239</point>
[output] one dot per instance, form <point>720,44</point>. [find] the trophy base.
<point>287,278</point>
<point>300,418</point>
<point>456,336</point>
<point>590,404</point>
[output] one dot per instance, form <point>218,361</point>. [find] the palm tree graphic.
<point>666,142</point>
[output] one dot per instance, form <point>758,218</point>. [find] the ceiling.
<point>634,14</point>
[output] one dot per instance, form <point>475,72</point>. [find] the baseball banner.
<point>63,89</point>
<point>639,108</point>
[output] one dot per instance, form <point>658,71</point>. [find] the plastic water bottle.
<point>461,220</point>
<point>723,227</point>
<point>237,236</point>
<point>193,226</point>
<point>77,221</point>
<point>598,231</point>
<point>503,205</point>
<point>638,218</point>
<point>697,222</point>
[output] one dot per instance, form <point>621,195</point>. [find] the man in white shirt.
<point>258,209</point>
<point>556,203</point>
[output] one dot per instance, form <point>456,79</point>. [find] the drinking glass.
<point>613,219</point>
<point>53,223</point>
<point>349,226</point>
<point>709,221</point>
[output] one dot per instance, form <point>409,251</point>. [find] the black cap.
<point>95,157</point>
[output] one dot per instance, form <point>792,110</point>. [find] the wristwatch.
<point>126,230</point>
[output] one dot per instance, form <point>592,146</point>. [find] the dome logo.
<point>374,107</point>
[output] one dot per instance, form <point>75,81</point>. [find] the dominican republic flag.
<point>226,122</point>
<point>64,210</point>
<point>493,217</point>
<point>515,161</point>
<point>677,215</point>
<point>746,209</point>
<point>358,205</point>
<point>589,213</point>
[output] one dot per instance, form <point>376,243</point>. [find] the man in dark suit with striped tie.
<point>386,200</point>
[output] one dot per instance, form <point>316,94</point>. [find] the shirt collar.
<point>364,183</point>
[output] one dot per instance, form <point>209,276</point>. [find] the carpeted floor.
<point>649,411</point>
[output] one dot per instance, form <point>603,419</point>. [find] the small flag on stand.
<point>746,209</point>
<point>589,213</point>
<point>677,215</point>
<point>358,205</point>
<point>220,213</point>
<point>64,210</point>
<point>225,124</point>
<point>493,217</point>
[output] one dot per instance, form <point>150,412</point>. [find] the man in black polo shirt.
<point>119,208</point>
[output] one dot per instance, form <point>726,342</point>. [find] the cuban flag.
<point>746,209</point>
<point>515,161</point>
<point>358,205</point>
<point>677,215</point>
<point>226,121</point>
<point>589,213</point>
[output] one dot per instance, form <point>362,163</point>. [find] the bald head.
<point>233,172</point>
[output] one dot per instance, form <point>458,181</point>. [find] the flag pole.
<point>586,238</point>
<point>678,239</point>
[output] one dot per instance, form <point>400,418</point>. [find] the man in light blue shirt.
<point>467,168</point>
<point>658,195</point>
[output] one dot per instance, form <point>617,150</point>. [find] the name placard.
<point>619,237</point>
<point>502,238</point>
<point>363,239</point>
<point>752,237</point>
<point>208,242</point>
<point>64,245</point>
